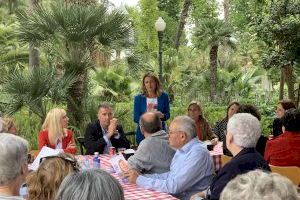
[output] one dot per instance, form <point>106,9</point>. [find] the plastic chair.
<point>291,172</point>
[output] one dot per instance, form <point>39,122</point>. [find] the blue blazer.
<point>140,106</point>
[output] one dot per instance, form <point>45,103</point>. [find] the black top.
<point>246,160</point>
<point>94,141</point>
<point>277,127</point>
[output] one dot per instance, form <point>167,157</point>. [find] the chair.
<point>225,159</point>
<point>80,141</point>
<point>291,172</point>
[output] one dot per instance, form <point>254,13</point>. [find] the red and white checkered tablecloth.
<point>131,191</point>
<point>216,154</point>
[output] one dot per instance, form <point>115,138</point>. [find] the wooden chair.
<point>291,172</point>
<point>225,159</point>
<point>80,141</point>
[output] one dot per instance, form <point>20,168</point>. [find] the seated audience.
<point>104,133</point>
<point>284,150</point>
<point>251,109</point>
<point>13,165</point>
<point>90,185</point>
<point>221,126</point>
<point>191,169</point>
<point>44,183</point>
<point>154,155</point>
<point>9,125</point>
<point>243,131</point>
<point>204,131</point>
<point>54,133</point>
<point>282,106</point>
<point>259,185</point>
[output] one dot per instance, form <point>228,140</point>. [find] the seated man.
<point>104,133</point>
<point>191,169</point>
<point>13,165</point>
<point>243,131</point>
<point>154,155</point>
<point>284,150</point>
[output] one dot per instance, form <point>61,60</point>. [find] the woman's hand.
<point>160,114</point>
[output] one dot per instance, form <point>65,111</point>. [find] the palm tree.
<point>71,33</point>
<point>214,32</point>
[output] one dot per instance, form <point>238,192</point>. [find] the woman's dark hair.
<point>287,104</point>
<point>228,107</point>
<point>249,108</point>
<point>291,120</point>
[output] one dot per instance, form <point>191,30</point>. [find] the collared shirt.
<point>107,140</point>
<point>191,171</point>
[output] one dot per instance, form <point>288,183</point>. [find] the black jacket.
<point>94,141</point>
<point>246,160</point>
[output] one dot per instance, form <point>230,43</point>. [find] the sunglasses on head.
<point>67,159</point>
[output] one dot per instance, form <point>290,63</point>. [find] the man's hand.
<point>132,175</point>
<point>214,141</point>
<point>199,194</point>
<point>112,128</point>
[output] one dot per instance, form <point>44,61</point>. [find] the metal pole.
<point>160,37</point>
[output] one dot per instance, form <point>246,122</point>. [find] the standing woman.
<point>54,133</point>
<point>152,99</point>
<point>221,125</point>
<point>282,106</point>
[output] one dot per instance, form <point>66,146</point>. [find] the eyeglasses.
<point>74,162</point>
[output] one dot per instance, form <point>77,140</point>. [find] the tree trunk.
<point>213,56</point>
<point>182,21</point>
<point>290,81</point>
<point>34,58</point>
<point>298,97</point>
<point>281,86</point>
<point>226,5</point>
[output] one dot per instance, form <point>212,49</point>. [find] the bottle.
<point>96,160</point>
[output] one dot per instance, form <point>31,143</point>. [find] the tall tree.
<point>182,22</point>
<point>71,33</point>
<point>214,32</point>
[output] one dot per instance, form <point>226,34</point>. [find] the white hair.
<point>1,124</point>
<point>245,129</point>
<point>90,184</point>
<point>259,185</point>
<point>187,125</point>
<point>13,154</point>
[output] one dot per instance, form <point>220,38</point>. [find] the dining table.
<point>131,191</point>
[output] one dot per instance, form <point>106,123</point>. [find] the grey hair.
<point>1,124</point>
<point>187,125</point>
<point>259,185</point>
<point>245,129</point>
<point>13,154</point>
<point>90,185</point>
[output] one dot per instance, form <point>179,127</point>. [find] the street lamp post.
<point>160,26</point>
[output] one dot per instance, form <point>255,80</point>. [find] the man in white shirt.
<point>104,133</point>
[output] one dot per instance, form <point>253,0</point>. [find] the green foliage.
<point>202,9</point>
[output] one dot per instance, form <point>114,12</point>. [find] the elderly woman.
<point>258,184</point>
<point>243,131</point>
<point>54,133</point>
<point>221,125</point>
<point>284,150</point>
<point>282,106</point>
<point>152,99</point>
<point>13,165</point>
<point>204,131</point>
<point>44,183</point>
<point>90,185</point>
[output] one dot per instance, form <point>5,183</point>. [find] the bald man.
<point>154,155</point>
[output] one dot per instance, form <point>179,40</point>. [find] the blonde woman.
<point>54,133</point>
